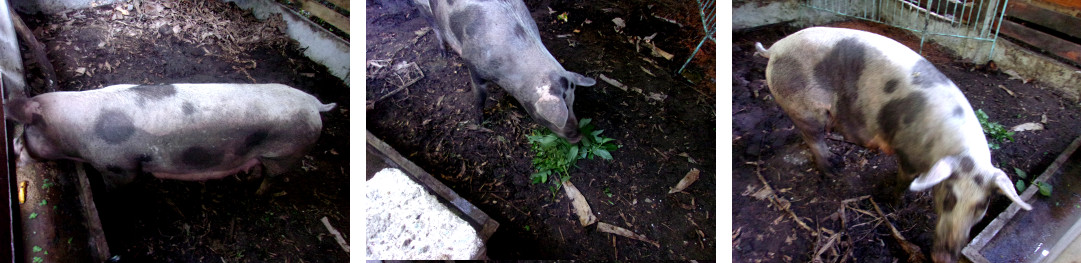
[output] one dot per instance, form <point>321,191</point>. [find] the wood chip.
<point>687,180</point>
<point>1031,126</point>
<point>614,83</point>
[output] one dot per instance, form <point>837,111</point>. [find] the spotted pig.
<point>500,43</point>
<point>178,131</point>
<point>880,94</point>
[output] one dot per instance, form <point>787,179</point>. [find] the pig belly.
<point>206,175</point>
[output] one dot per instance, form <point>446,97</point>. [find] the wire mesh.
<point>708,12</point>
<point>968,19</point>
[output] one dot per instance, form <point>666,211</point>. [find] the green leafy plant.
<point>1045,188</point>
<point>554,156</point>
<point>996,131</point>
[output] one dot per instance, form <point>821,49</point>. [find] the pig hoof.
<point>263,186</point>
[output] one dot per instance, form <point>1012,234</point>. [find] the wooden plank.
<point>333,18</point>
<point>344,4</point>
<point>1057,46</point>
<point>486,226</point>
<point>1055,21</point>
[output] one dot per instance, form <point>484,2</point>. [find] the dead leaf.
<point>607,228</point>
<point>1030,126</point>
<point>614,83</point>
<point>581,207</point>
<point>1007,90</point>
<point>687,180</point>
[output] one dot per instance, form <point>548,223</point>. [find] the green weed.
<point>996,131</point>
<point>554,156</point>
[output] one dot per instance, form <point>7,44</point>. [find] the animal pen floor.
<point>664,124</point>
<point>186,41</point>
<point>767,149</point>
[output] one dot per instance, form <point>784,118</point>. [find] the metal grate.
<point>970,19</point>
<point>708,12</point>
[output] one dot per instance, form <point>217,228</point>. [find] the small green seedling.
<point>1020,173</point>
<point>554,156</point>
<point>996,131</point>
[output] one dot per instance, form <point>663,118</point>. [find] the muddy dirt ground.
<point>161,42</point>
<point>766,145</point>
<point>433,124</point>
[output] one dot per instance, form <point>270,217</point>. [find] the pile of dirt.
<point>805,216</point>
<point>186,41</point>
<point>664,124</point>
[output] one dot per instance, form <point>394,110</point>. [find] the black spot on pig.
<point>967,164</point>
<point>891,86</point>
<point>154,92</point>
<point>950,200</point>
<point>188,108</point>
<point>981,207</point>
<point>958,112</point>
<point>466,23</point>
<point>254,139</point>
<point>791,80</point>
<point>927,76</point>
<point>114,169</point>
<point>449,2</point>
<point>900,112</point>
<point>199,158</point>
<point>519,32</point>
<point>143,158</point>
<point>841,71</point>
<point>113,126</point>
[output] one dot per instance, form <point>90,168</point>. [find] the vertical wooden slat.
<point>333,18</point>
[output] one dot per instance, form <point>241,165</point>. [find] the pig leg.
<point>480,89</point>
<point>812,128</point>
<point>274,166</point>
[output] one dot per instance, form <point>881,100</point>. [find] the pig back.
<point>183,128</point>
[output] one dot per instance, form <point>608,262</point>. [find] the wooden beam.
<point>1055,21</point>
<point>1057,46</point>
<point>344,4</point>
<point>333,18</point>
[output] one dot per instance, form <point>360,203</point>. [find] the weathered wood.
<point>1055,21</point>
<point>1057,46</point>
<point>333,18</point>
<point>99,249</point>
<point>36,49</point>
<point>343,4</point>
<point>486,225</point>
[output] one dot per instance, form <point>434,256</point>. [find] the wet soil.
<point>161,42</point>
<point>766,147</point>
<point>433,123</point>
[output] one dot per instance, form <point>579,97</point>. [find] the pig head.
<point>880,94</point>
<point>500,43</point>
<point>178,131</point>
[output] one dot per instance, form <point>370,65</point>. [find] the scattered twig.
<point>687,180</point>
<point>337,235</point>
<point>914,253</point>
<point>781,203</point>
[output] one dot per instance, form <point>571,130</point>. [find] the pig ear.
<point>552,110</point>
<point>939,172</point>
<point>1002,182</point>
<point>21,110</point>
<point>580,80</point>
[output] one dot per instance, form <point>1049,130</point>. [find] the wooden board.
<point>330,16</point>
<point>485,225</point>
<point>1057,46</point>
<point>344,4</point>
<point>1055,21</point>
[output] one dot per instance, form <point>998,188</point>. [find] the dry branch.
<point>337,235</point>
<point>782,204</point>
<point>914,253</point>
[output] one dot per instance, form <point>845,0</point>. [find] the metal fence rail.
<point>970,19</point>
<point>708,12</point>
